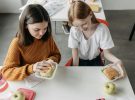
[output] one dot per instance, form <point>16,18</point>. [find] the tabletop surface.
<point>80,83</point>
<point>62,15</point>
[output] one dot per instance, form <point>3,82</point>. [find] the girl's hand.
<point>41,66</point>
<point>50,61</point>
<point>120,64</point>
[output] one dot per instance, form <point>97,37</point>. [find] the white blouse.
<point>89,49</point>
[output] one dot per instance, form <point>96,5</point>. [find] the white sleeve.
<point>106,41</point>
<point>73,40</point>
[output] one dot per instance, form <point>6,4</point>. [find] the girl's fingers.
<point>123,69</point>
<point>38,70</point>
<point>44,68</point>
<point>43,63</point>
<point>47,65</point>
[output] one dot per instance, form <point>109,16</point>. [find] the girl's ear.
<point>91,15</point>
<point>26,26</point>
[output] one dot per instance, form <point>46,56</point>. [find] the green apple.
<point>110,88</point>
<point>17,95</point>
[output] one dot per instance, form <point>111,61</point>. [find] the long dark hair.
<point>33,13</point>
<point>80,10</point>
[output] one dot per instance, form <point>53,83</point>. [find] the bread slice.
<point>95,7</point>
<point>111,73</point>
<point>48,73</point>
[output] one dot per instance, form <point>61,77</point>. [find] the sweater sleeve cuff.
<point>30,69</point>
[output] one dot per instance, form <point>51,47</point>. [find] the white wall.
<point>10,6</point>
<point>118,4</point>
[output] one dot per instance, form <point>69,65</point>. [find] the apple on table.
<point>18,95</point>
<point>110,88</point>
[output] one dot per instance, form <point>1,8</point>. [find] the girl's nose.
<point>41,33</point>
<point>85,26</point>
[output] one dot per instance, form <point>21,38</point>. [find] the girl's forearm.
<point>75,61</point>
<point>75,57</point>
<point>109,56</point>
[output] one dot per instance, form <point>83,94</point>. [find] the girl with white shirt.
<point>88,36</point>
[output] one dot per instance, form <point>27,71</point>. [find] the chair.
<point>103,21</point>
<point>70,61</point>
<point>132,33</point>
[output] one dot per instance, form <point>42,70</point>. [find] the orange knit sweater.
<point>20,59</point>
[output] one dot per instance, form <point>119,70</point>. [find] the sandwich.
<point>47,73</point>
<point>110,73</point>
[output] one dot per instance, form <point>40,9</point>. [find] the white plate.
<point>37,74</point>
<point>118,68</point>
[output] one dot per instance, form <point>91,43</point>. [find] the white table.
<point>62,15</point>
<point>79,83</point>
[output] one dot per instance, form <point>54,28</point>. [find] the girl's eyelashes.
<point>39,29</point>
<point>36,30</point>
<point>45,28</point>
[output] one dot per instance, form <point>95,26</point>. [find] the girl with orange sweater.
<point>33,48</point>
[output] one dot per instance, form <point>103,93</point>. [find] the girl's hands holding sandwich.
<point>41,66</point>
